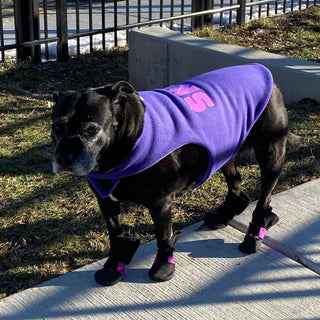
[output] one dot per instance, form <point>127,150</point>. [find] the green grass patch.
<point>51,224</point>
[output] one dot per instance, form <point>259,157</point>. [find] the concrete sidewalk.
<point>214,280</point>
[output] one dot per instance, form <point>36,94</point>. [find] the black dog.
<point>96,130</point>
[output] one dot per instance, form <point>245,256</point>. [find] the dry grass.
<point>294,34</point>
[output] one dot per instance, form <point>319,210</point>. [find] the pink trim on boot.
<point>262,233</point>
<point>121,267</point>
<point>169,260</point>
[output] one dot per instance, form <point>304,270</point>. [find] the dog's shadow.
<point>195,249</point>
<point>209,248</point>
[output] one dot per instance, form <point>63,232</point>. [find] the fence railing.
<point>56,29</point>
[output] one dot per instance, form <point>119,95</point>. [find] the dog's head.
<point>88,123</point>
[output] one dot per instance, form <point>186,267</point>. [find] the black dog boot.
<point>233,205</point>
<point>163,267</point>
<point>257,230</point>
<point>122,252</point>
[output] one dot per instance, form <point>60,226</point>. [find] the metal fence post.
<point>241,12</point>
<point>26,17</point>
<point>200,21</point>
<point>62,30</point>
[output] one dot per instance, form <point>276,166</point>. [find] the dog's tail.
<point>293,142</point>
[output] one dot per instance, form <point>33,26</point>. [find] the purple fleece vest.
<point>215,110</point>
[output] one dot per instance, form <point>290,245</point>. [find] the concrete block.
<point>159,57</point>
<point>141,58</point>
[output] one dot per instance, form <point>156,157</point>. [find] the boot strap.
<point>256,231</point>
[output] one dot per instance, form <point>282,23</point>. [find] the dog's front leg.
<point>122,249</point>
<point>163,267</point>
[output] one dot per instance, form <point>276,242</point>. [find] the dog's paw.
<point>255,234</point>
<point>233,205</point>
<point>214,220</point>
<point>108,276</point>
<point>251,244</point>
<point>162,271</point>
<point>121,253</point>
<point>253,239</point>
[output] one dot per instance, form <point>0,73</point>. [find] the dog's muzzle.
<point>71,157</point>
<point>80,166</point>
<point>63,161</point>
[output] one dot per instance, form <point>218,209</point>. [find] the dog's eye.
<point>91,130</point>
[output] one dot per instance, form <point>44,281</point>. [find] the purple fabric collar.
<point>215,110</point>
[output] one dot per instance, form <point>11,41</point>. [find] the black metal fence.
<point>56,29</point>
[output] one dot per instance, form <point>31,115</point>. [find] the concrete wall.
<point>159,57</point>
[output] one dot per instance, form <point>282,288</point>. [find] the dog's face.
<point>83,124</point>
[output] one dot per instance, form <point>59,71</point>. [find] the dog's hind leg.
<point>271,140</point>
<point>122,249</point>
<point>271,157</point>
<point>235,202</point>
<point>163,267</point>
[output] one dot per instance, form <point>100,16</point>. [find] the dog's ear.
<point>121,91</point>
<point>123,87</point>
<point>117,92</point>
<point>57,95</point>
<point>131,110</point>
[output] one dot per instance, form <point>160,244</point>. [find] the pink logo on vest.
<point>195,97</point>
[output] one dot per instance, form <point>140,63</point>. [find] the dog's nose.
<point>67,152</point>
<point>65,159</point>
